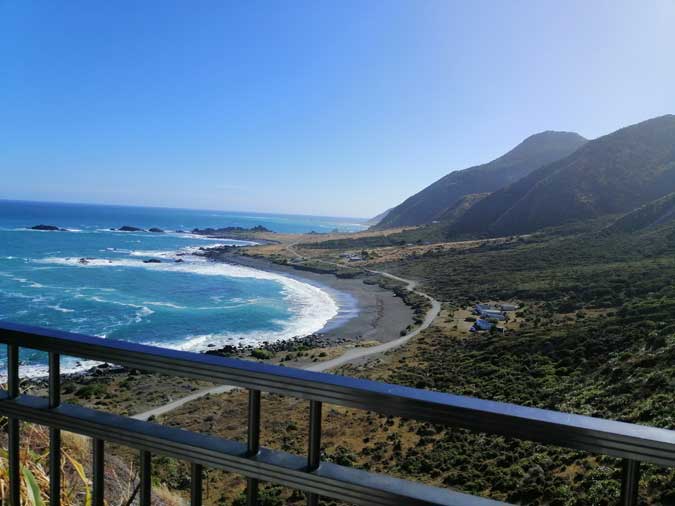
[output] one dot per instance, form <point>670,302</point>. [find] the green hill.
<point>439,198</point>
<point>613,174</point>
<point>650,215</point>
<point>460,207</point>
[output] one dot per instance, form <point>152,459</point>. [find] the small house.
<point>483,325</point>
<point>479,308</point>
<point>493,313</point>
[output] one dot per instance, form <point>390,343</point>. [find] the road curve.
<point>350,356</point>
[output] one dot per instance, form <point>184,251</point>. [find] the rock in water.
<point>48,228</point>
<point>156,230</point>
<point>127,228</point>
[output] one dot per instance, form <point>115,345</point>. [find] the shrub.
<point>261,354</point>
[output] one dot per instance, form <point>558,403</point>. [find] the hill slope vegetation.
<point>431,203</point>
<point>613,174</point>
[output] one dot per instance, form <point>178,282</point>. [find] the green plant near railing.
<point>33,457</point>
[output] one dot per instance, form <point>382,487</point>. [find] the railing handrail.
<point>614,438</point>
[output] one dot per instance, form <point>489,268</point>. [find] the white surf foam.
<point>312,307</point>
<point>164,304</point>
<point>60,309</point>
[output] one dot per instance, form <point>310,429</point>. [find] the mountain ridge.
<point>615,173</point>
<point>438,198</point>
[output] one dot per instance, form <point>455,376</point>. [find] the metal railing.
<point>633,443</point>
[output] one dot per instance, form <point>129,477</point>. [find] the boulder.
<point>152,261</point>
<point>156,230</point>
<point>127,228</point>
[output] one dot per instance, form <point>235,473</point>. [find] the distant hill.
<point>439,198</point>
<point>613,174</point>
<point>653,214</point>
<point>376,219</point>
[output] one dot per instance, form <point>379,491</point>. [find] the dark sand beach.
<point>367,312</point>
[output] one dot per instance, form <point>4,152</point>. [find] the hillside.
<point>460,207</point>
<point>377,219</point>
<point>594,334</point>
<point>650,215</point>
<point>613,174</point>
<point>432,202</point>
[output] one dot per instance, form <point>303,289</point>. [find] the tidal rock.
<point>152,261</point>
<point>48,228</point>
<point>156,230</point>
<point>127,228</point>
<point>229,230</point>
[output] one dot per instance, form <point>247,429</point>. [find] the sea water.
<point>94,280</point>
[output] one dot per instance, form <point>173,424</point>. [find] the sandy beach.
<point>367,312</point>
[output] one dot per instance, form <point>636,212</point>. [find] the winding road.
<point>350,356</point>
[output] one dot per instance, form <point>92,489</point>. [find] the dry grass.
<point>34,458</point>
<point>121,476</point>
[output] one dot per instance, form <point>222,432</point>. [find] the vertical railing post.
<point>98,471</point>
<point>630,481</point>
<point>54,434</point>
<point>196,485</point>
<point>253,442</point>
<point>13,428</point>
<point>314,452</point>
<point>146,478</point>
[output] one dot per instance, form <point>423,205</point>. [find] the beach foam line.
<point>311,306</point>
<point>188,250</point>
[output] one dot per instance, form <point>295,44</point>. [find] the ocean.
<point>186,305</point>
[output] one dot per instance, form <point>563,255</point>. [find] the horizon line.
<point>262,213</point>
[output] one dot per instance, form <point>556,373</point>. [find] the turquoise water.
<point>114,294</point>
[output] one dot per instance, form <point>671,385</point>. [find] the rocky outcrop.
<point>230,230</point>
<point>311,341</point>
<point>152,261</point>
<point>156,230</point>
<point>127,228</point>
<point>48,228</point>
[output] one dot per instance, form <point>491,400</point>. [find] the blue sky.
<point>337,108</point>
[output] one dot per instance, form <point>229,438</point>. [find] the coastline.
<point>366,312</point>
<point>372,329</point>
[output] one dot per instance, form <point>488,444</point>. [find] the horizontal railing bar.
<point>330,480</point>
<point>618,439</point>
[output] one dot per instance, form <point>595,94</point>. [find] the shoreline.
<point>366,312</point>
<point>377,327</point>
<point>350,356</point>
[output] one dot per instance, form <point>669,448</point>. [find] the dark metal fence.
<point>632,443</point>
